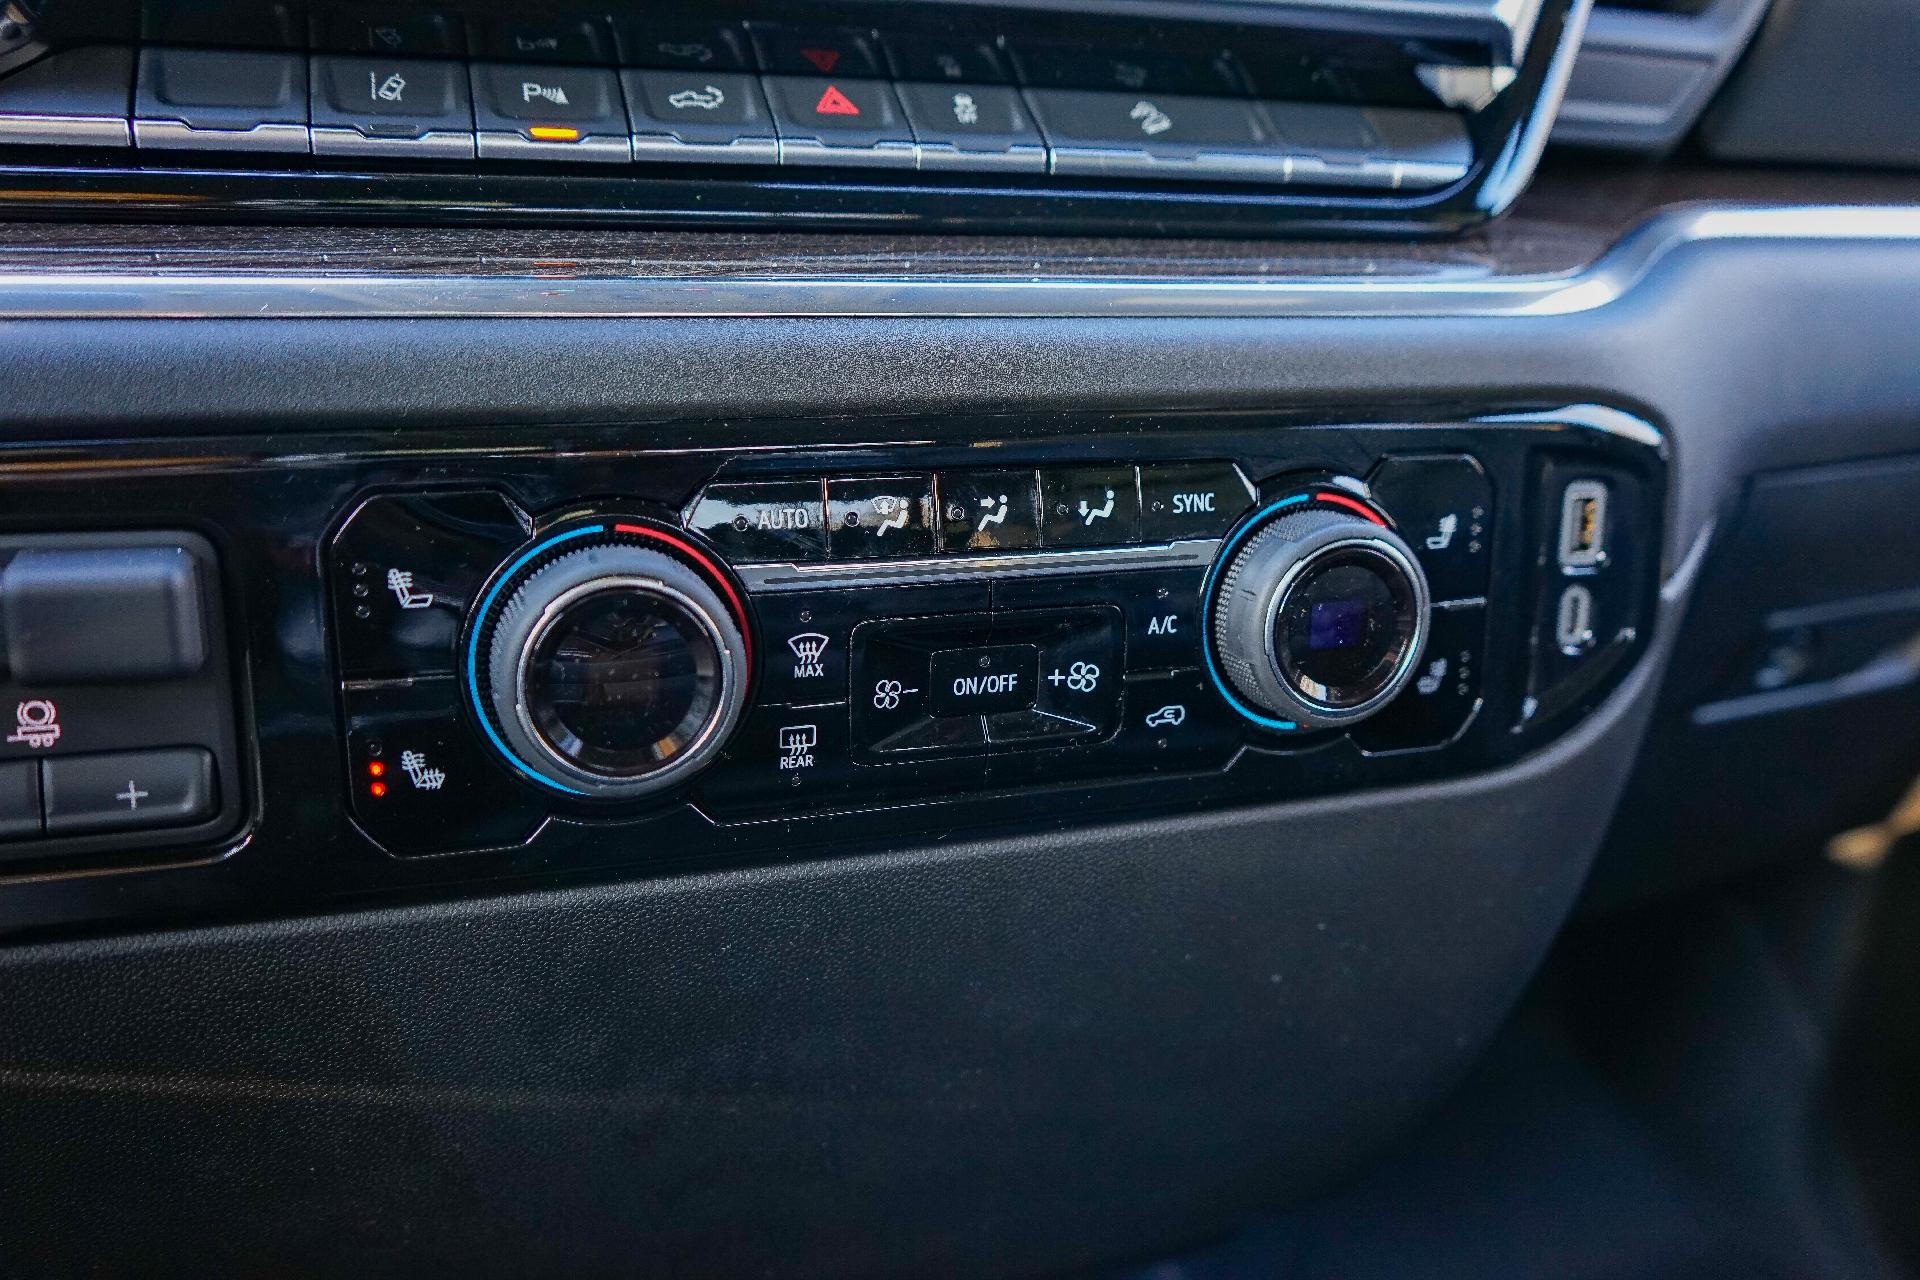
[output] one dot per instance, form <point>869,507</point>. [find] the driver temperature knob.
<point>1318,619</point>
<point>614,670</point>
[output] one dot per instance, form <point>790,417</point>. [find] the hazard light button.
<point>825,121</point>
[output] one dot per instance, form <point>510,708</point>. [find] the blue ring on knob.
<point>473,652</point>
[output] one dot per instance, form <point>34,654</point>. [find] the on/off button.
<point>984,679</point>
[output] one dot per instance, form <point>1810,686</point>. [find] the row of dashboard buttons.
<point>968,512</point>
<point>345,105</point>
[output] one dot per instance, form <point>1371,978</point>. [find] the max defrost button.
<point>128,790</point>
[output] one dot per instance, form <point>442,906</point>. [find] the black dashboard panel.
<point>1065,649</point>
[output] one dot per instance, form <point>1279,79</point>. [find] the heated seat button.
<point>1437,707</point>
<point>128,790</point>
<point>1089,506</point>
<point>420,780</point>
<point>836,121</point>
<point>19,803</point>
<point>1190,499</point>
<point>982,511</point>
<point>404,571</point>
<point>983,679</point>
<point>1442,504</point>
<point>880,517</point>
<point>763,520</point>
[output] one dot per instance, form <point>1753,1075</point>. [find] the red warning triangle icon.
<point>835,103</point>
<point>823,60</point>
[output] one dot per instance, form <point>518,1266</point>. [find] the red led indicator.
<point>375,769</point>
<point>378,789</point>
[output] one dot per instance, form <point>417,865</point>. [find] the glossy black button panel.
<point>419,779</point>
<point>1444,696</point>
<point>128,790</point>
<point>402,574</point>
<point>1442,504</point>
<point>1190,500</point>
<point>880,517</point>
<point>1089,506</point>
<point>753,520</point>
<point>988,511</point>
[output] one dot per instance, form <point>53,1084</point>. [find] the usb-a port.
<point>1583,525</point>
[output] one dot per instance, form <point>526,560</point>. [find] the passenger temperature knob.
<point>1317,618</point>
<point>614,670</point>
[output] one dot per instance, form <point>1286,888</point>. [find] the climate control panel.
<point>902,628</point>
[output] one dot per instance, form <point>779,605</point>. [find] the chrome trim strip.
<point>316,295</point>
<point>1192,554</point>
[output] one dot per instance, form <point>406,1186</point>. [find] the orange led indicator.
<point>375,768</point>
<point>379,789</point>
<point>553,133</point>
